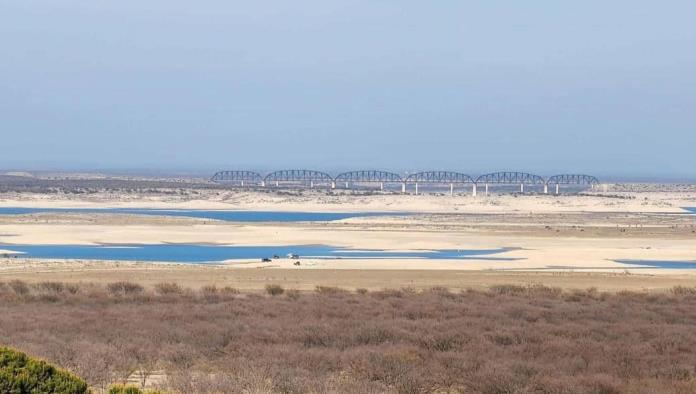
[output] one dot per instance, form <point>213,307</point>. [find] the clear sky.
<point>605,87</point>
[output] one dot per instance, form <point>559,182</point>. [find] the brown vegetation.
<point>507,340</point>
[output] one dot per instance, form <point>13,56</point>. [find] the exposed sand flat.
<point>545,233</point>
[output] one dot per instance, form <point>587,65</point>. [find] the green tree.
<point>124,389</point>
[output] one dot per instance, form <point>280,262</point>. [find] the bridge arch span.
<point>443,177</point>
<point>237,176</point>
<point>511,178</point>
<point>368,176</point>
<point>311,176</point>
<point>439,177</point>
<point>573,179</point>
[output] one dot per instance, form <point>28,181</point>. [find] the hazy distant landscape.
<point>347,197</point>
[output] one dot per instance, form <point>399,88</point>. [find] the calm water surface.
<point>671,264</point>
<point>190,253</point>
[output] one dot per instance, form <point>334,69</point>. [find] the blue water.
<point>671,264</point>
<point>691,209</point>
<point>191,253</point>
<point>232,216</point>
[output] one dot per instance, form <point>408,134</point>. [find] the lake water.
<point>691,209</point>
<point>667,264</point>
<point>226,215</point>
<point>192,253</point>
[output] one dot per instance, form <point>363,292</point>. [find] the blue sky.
<point>544,86</point>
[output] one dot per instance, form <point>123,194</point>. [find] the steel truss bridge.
<point>573,179</point>
<point>439,178</point>
<point>510,178</point>
<point>451,178</point>
<point>298,176</point>
<point>237,176</point>
<point>367,176</point>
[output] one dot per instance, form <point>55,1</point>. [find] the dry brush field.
<point>506,340</point>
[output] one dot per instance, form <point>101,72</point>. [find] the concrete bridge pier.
<point>263,183</point>
<point>311,184</point>
<point>451,189</point>
<point>486,190</point>
<point>333,184</point>
<point>558,189</point>
<point>546,188</point>
<point>473,190</point>
<point>403,188</point>
<point>381,186</point>
<point>416,188</point>
<point>277,184</point>
<point>242,183</point>
<point>521,187</point>
<point>347,185</point>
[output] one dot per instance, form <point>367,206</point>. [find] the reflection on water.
<point>190,253</point>
<point>225,215</point>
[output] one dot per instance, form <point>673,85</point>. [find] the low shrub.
<point>72,288</point>
<point>508,289</point>
<point>545,291</point>
<point>292,294</point>
<point>329,290</point>
<point>229,290</point>
<point>124,288</point>
<point>274,290</point>
<point>50,287</point>
<point>215,294</point>
<point>684,291</point>
<point>387,293</point>
<point>21,374</point>
<point>127,389</point>
<point>19,287</point>
<point>168,288</point>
